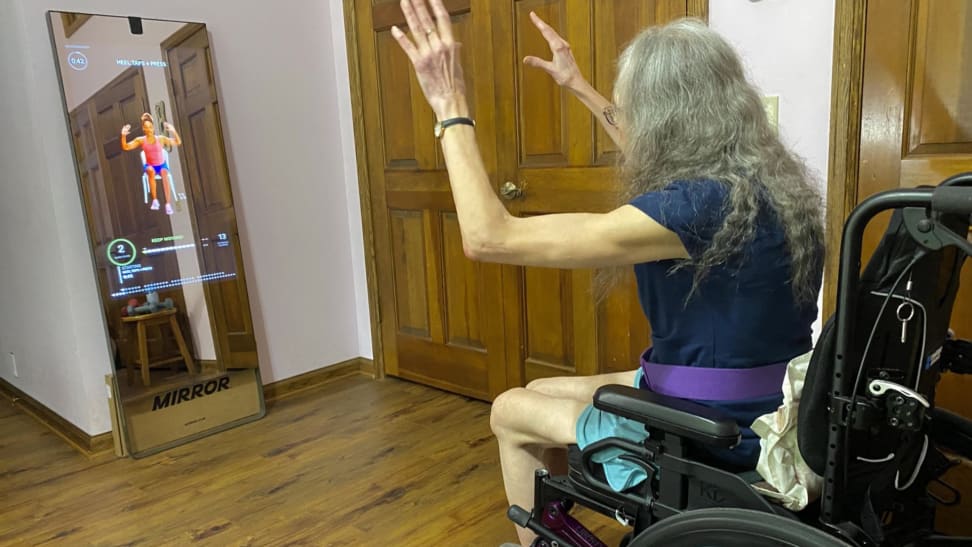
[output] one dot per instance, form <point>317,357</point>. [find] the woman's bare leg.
<point>581,388</point>
<point>528,423</point>
<point>534,426</point>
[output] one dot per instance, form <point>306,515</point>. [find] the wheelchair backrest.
<point>905,298</point>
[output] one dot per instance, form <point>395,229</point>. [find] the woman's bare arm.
<point>564,70</point>
<point>489,232</point>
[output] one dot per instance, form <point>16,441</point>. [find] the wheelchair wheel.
<point>724,527</point>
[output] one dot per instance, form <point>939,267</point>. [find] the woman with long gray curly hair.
<point>721,222</point>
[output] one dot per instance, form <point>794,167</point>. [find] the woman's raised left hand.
<point>435,55</point>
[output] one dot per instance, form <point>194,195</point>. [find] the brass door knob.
<point>510,191</point>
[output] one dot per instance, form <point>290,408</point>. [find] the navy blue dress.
<point>742,315</point>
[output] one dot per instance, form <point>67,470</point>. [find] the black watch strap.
<point>453,121</point>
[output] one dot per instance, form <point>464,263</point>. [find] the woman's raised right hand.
<point>127,129</point>
<point>562,67</point>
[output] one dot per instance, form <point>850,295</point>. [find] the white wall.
<point>283,92</point>
<point>787,46</point>
<point>49,314</point>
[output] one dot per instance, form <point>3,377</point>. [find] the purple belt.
<point>714,384</point>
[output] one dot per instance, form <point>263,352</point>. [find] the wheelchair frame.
<point>667,447</point>
<point>948,197</point>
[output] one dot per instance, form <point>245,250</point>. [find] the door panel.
<point>408,240</point>
<point>463,293</point>
<point>553,126</point>
<point>616,22</point>
<point>941,115</point>
<point>395,88</point>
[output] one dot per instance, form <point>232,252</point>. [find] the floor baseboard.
<point>89,445</point>
<point>309,380</point>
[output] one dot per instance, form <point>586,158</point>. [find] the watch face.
<point>437,130</point>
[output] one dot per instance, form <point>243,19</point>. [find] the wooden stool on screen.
<point>158,319</point>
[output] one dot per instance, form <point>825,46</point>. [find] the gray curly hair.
<point>687,113</point>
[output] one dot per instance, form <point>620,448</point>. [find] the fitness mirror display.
<point>143,113</point>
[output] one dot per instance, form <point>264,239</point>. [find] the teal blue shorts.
<point>594,425</point>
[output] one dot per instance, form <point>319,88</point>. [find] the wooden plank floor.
<point>354,462</point>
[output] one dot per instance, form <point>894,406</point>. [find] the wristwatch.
<point>441,126</point>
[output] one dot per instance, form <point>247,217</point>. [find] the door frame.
<point>364,188</point>
<point>846,105</point>
<point>698,7</point>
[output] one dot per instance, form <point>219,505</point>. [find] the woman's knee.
<point>522,416</point>
<point>505,409</point>
<point>580,388</point>
<point>542,385</point>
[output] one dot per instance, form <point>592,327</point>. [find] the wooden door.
<point>553,150</point>
<point>203,156</point>
<point>440,314</point>
<point>478,328</point>
<point>916,129</point>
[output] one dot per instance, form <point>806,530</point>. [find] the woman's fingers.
<point>537,62</point>
<point>546,30</point>
<point>425,20</point>
<point>407,46</point>
<point>419,33</point>
<point>426,33</point>
<point>444,22</point>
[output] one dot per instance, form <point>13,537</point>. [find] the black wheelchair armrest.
<point>679,417</point>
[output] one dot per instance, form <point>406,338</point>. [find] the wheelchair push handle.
<point>955,200</point>
<point>954,195</point>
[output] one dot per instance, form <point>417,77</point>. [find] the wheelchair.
<point>867,420</point>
